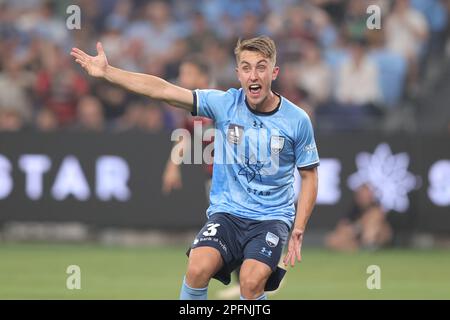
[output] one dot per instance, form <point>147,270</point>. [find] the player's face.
<point>256,73</point>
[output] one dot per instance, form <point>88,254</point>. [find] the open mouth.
<point>254,89</point>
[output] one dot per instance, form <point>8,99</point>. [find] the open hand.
<point>95,66</point>
<point>294,248</point>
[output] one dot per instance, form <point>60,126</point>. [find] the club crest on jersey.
<point>272,239</point>
<point>235,133</point>
<point>276,144</point>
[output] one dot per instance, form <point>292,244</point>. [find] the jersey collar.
<point>260,113</point>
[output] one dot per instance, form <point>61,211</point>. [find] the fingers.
<point>297,247</point>
<point>77,56</point>
<point>294,252</point>
<point>80,53</point>
<point>288,254</point>
<point>80,57</point>
<point>81,63</point>
<point>298,253</point>
<point>100,48</point>
<point>293,259</point>
<point>298,250</point>
<point>286,258</point>
<point>289,259</point>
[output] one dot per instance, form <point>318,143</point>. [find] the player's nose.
<point>253,75</point>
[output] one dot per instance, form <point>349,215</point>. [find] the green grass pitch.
<point>38,271</point>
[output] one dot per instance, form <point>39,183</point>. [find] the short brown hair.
<point>261,44</point>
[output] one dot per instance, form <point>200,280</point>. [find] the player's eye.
<point>261,68</point>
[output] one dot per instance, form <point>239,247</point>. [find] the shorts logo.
<point>235,133</point>
<point>272,239</point>
<point>265,252</point>
<point>276,144</point>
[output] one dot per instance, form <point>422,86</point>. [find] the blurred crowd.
<point>332,65</point>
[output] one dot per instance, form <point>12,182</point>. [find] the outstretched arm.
<point>151,86</point>
<point>306,202</point>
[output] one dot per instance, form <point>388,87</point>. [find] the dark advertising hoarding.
<point>114,180</point>
<point>98,179</point>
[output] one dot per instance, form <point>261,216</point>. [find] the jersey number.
<point>212,229</point>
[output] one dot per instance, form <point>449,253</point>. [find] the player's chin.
<point>255,99</point>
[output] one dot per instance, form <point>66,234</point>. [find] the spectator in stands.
<point>15,73</point>
<point>200,33</point>
<point>436,14</point>
<point>131,119</point>
<point>112,37</point>
<point>392,68</point>
<point>34,41</point>
<point>11,119</point>
<point>90,115</point>
<point>58,86</point>
<point>15,112</point>
<point>113,99</point>
<point>287,82</point>
<point>355,19</point>
<point>365,226</point>
<point>406,33</point>
<point>163,30</point>
<point>221,64</point>
<point>314,75</point>
<point>46,120</point>
<point>357,84</point>
<point>152,119</point>
<point>357,93</point>
<point>250,26</point>
<point>48,25</point>
<point>297,32</point>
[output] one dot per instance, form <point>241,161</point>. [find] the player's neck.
<point>269,104</point>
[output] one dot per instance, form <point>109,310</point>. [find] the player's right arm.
<point>151,86</point>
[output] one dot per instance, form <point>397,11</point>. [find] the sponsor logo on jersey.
<point>235,133</point>
<point>276,144</point>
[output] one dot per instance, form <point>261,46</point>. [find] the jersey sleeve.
<point>305,149</point>
<point>212,104</point>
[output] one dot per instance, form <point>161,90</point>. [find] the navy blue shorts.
<point>238,239</point>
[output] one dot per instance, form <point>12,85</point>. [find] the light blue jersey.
<point>255,155</point>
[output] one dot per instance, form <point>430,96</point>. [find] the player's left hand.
<point>294,248</point>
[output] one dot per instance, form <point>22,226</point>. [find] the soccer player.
<point>264,139</point>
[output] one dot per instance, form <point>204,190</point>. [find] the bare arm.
<point>151,86</point>
<point>171,178</point>
<point>306,202</point>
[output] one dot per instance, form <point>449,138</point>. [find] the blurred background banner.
<point>98,179</point>
<point>114,180</point>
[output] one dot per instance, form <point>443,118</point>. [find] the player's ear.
<point>237,73</point>
<point>275,72</point>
